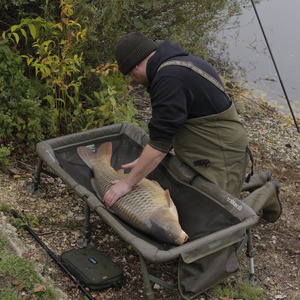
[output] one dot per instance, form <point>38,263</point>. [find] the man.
<point>190,112</point>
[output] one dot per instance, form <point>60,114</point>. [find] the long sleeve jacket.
<point>178,93</point>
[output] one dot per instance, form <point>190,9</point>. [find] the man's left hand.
<point>118,189</point>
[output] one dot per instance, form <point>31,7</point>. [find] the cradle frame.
<point>239,234</point>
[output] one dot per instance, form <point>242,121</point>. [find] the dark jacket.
<point>178,93</point>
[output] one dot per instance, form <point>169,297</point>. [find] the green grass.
<point>5,208</point>
<point>241,290</point>
<point>18,276</point>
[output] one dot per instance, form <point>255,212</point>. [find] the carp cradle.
<point>217,236</point>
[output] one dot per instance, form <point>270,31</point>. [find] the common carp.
<point>146,207</point>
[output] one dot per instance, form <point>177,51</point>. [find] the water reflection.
<point>243,44</point>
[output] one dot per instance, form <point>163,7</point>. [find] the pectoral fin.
<point>93,183</point>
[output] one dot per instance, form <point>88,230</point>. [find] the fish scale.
<point>131,206</point>
<point>146,207</point>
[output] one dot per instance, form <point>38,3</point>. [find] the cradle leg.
<point>34,187</point>
<point>86,241</point>
<point>251,278</point>
<point>147,285</point>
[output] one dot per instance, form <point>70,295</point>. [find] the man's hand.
<point>116,191</point>
<point>119,187</point>
<point>130,165</point>
<point>140,168</point>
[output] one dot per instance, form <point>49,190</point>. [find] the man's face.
<point>139,75</point>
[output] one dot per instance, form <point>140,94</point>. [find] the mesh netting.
<point>198,214</point>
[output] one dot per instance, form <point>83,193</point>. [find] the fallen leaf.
<point>27,255</point>
<point>20,288</point>
<point>39,288</point>
<point>14,171</point>
<point>16,282</point>
<point>272,282</point>
<point>66,278</point>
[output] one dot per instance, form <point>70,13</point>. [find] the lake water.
<point>242,43</point>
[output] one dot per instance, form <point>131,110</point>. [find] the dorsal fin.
<point>120,171</point>
<point>168,196</point>
<point>154,181</point>
<point>171,203</point>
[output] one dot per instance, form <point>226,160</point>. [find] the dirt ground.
<point>276,147</point>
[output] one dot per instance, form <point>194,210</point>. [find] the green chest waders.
<point>214,146</point>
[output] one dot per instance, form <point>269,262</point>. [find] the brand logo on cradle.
<point>234,204</point>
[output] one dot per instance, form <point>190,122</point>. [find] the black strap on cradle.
<point>252,164</point>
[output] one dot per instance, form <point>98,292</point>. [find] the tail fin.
<point>103,154</point>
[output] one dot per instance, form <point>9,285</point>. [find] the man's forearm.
<point>148,161</point>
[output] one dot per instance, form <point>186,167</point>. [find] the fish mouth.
<point>182,239</point>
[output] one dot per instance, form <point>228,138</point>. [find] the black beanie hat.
<point>132,49</point>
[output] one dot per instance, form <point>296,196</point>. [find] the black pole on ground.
<point>52,255</point>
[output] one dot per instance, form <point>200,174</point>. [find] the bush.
<point>57,61</point>
<point>67,85</point>
<point>111,105</point>
<point>4,154</point>
<point>22,117</point>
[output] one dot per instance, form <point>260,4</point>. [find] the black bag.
<point>92,268</point>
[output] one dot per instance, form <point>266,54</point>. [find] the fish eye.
<point>168,228</point>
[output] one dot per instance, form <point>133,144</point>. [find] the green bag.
<point>92,268</point>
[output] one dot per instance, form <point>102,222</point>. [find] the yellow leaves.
<point>32,24</point>
<point>32,30</point>
<point>81,34</point>
<point>60,83</point>
<point>45,61</point>
<point>71,23</point>
<point>65,20</point>
<point>24,34</point>
<point>66,8</point>
<point>106,69</point>
<point>16,37</point>
<point>14,27</point>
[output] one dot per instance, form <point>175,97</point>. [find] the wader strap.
<point>191,66</point>
<point>252,163</point>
